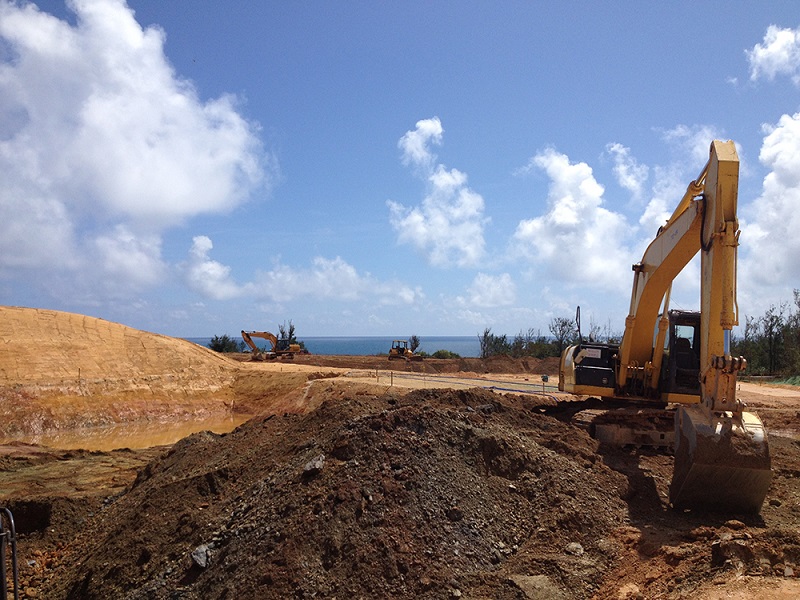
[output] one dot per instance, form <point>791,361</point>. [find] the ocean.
<point>467,346</point>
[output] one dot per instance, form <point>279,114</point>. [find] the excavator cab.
<point>681,367</point>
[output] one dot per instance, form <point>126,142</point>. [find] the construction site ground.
<point>350,477</point>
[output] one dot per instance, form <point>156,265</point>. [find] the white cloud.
<point>207,277</point>
<point>123,256</point>
<point>416,144</point>
<point>103,147</point>
<point>577,241</point>
<point>779,54</point>
<point>331,279</point>
<point>690,145</point>
<point>447,228</point>
<point>629,173</point>
<point>492,290</point>
<point>326,279</point>
<point>769,239</point>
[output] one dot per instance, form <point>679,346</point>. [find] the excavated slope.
<point>60,369</point>
<point>47,345</point>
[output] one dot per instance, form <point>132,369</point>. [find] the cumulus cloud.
<point>103,146</point>
<point>331,279</point>
<point>492,290</point>
<point>447,228</point>
<point>416,144</point>
<point>207,277</point>
<point>689,145</point>
<point>769,239</point>
<point>327,279</point>
<point>578,240</point>
<point>778,54</point>
<point>629,173</point>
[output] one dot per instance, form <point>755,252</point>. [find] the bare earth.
<point>355,478</point>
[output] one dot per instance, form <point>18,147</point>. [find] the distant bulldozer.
<point>400,350</point>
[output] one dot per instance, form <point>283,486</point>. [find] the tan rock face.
<point>65,370</point>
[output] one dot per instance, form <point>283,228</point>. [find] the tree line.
<point>770,343</point>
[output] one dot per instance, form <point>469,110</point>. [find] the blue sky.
<point>375,168</point>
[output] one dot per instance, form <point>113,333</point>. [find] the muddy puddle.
<point>135,435</point>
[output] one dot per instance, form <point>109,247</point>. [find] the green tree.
<point>771,342</point>
<point>413,343</point>
<point>492,345</point>
<point>286,333</point>
<point>225,343</point>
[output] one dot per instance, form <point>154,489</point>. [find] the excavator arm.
<point>248,336</point>
<point>722,458</point>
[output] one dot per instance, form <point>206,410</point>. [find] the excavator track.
<point>638,427</point>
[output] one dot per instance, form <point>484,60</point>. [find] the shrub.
<point>445,354</point>
<point>225,343</point>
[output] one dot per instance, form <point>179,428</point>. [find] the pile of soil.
<point>432,494</point>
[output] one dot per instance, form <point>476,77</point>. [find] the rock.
<point>201,556</point>
<point>574,548</point>
<point>314,466</point>
<point>629,591</point>
<point>455,514</point>
<point>537,587</point>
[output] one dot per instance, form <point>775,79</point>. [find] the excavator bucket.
<point>722,463</point>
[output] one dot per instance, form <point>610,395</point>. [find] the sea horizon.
<point>467,346</point>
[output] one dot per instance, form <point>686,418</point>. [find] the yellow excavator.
<point>280,348</point>
<point>681,358</point>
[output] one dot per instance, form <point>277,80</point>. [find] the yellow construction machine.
<point>682,358</point>
<point>401,351</point>
<point>280,348</point>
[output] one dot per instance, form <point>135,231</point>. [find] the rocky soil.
<point>342,489</point>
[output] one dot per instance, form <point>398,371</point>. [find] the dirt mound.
<point>432,494</point>
<point>66,349</point>
<point>428,495</point>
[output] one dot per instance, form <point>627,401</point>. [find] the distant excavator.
<point>280,348</point>
<point>683,358</point>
